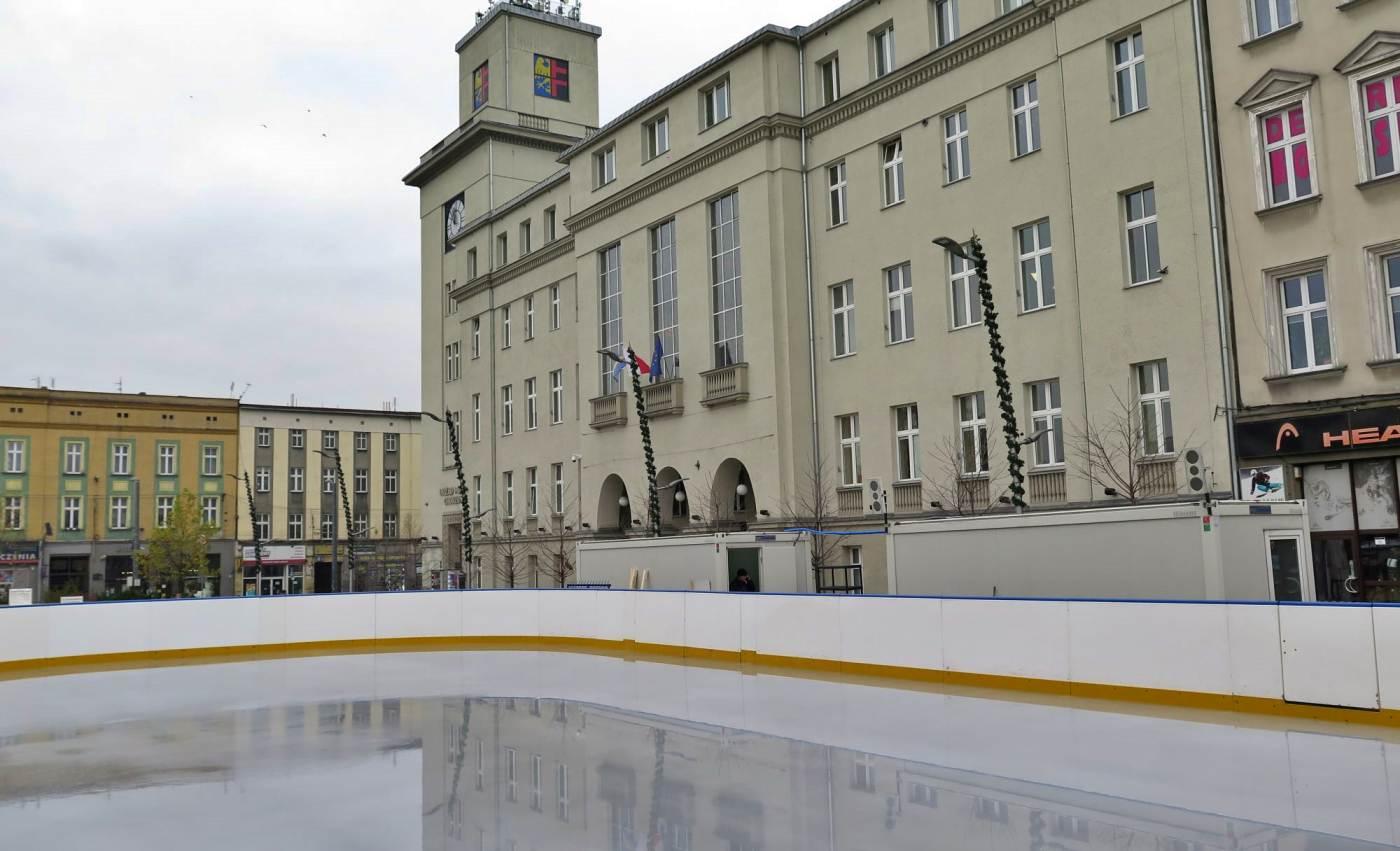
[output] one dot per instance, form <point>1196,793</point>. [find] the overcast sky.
<point>195,195</point>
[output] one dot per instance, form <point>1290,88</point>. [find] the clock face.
<point>456,217</point>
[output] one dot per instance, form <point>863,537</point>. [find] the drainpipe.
<point>1223,307</point>
<point>807,267</point>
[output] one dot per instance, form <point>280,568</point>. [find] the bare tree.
<point>555,545</point>
<point>509,559</point>
<point>1113,449</point>
<point>957,491</point>
<point>814,507</point>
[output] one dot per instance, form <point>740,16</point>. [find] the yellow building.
<point>84,477</point>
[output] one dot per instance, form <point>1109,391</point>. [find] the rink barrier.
<point>1331,662</point>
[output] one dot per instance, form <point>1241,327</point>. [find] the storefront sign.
<point>19,555</point>
<point>276,555</point>
<point>1321,433</point>
<point>1262,484</point>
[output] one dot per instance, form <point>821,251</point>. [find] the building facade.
<point>1308,100</point>
<point>760,232</point>
<point>305,466</point>
<point>86,476</point>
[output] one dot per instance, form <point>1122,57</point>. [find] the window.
<point>361,441</point>
<point>471,264</point>
<point>165,506</point>
<point>658,136</point>
<point>1037,268</point>
<point>536,770</point>
<point>508,409</point>
<point>843,319</point>
<point>391,481</point>
<point>829,72</point>
<point>361,480</point>
<point>391,526</point>
<point>262,479</point>
<point>1144,254</point>
<point>1307,334</point>
<point>957,154</point>
<point>551,230</point>
<point>121,459</point>
<point>481,86</point>
<point>972,432</point>
<point>72,514</point>
<point>451,305</point>
<point>556,472</point>
<point>1070,827</point>
<point>836,193</point>
<point>328,480</point>
<point>561,794</point>
<point>605,166</point>
<point>262,527</point>
<point>508,485</point>
<point>923,794</point>
<point>532,491</point>
<point>391,443</point>
<point>892,170</point>
<point>1011,5</point>
<point>1129,75</point>
<point>863,773</point>
<point>476,418</point>
<point>985,808</point>
<point>1025,117</point>
<point>361,524</point>
<point>848,431</point>
<point>1047,420</point>
<point>610,315</point>
<point>296,527</point>
<point>296,480</point>
<point>906,442</point>
<point>665,301</point>
<point>530,317</point>
<point>1390,273</point>
<point>554,308</point>
<point>1287,158</point>
<point>899,297</point>
<point>476,337</point>
<point>502,249</point>
<point>524,237</point>
<point>330,440</point>
<point>453,365</point>
<point>328,525</point>
<point>13,513</point>
<point>505,326</point>
<point>714,104</point>
<point>297,438</point>
<point>264,436</point>
<point>945,21</point>
<point>213,460</point>
<point>532,415</point>
<point>165,459</point>
<point>1155,405</point>
<point>1381,99</point>
<point>1271,15</point>
<point>73,452</point>
<point>556,396</point>
<point>882,50</point>
<point>966,298</point>
<point>726,290</point>
<point>209,510</point>
<point>476,490</point>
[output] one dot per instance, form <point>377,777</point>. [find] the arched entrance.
<point>732,499</point>
<point>614,506</point>
<point>675,501</point>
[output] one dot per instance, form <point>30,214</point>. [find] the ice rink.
<point>527,751</point>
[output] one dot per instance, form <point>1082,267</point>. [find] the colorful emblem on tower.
<point>551,77</point>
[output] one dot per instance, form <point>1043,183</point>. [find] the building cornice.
<point>561,247</point>
<point>560,176</point>
<point>472,135</point>
<point>759,130</point>
<point>334,412</point>
<point>525,12</point>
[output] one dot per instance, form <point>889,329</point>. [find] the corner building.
<point>768,217</point>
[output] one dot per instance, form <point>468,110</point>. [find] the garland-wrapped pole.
<point>349,520</point>
<point>462,496</point>
<point>253,521</point>
<point>1014,464</point>
<point>653,500</point>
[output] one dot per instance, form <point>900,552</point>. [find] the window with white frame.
<point>391,481</point>
<point>892,171</point>
<point>1025,117</point>
<point>72,514</point>
<point>532,491</point>
<point>972,434</point>
<point>74,453</point>
<point>262,479</point>
<point>213,460</point>
<point>361,441</point>
<point>476,337</point>
<point>561,795</point>
<point>556,396</point>
<point>1144,252</point>
<point>505,326</point>
<point>899,299</point>
<point>1036,267</point>
<point>328,525</point>
<point>1390,279</point>
<point>121,459</point>
<point>13,513</point>
<point>296,438</point>
<point>605,166</point>
<point>453,362</point>
<point>906,442</point>
<point>554,307</point>
<point>476,418</point>
<point>665,301</point>
<point>502,249</point>
<point>530,317</point>
<point>532,408</point>
<point>1047,421</point>
<point>536,778</point>
<point>391,443</point>
<point>471,264</point>
<point>1380,99</point>
<point>843,319</point>
<point>1129,75</point>
<point>476,491</point>
<point>361,480</point>
<point>829,72</point>
<point>209,511</point>
<point>264,437</point>
<point>1011,5</point>
<point>714,104</point>
<point>165,506</point>
<point>945,22</point>
<point>1287,154</point>
<point>330,440</point>
<point>957,152</point>
<point>1271,15</point>
<point>262,527</point>
<point>726,281</point>
<point>854,557</point>
<point>556,472</point>
<point>1154,395</point>
<point>296,480</point>
<point>524,237</point>
<point>14,456</point>
<point>610,316</point>
<point>361,525</point>
<point>450,304</point>
<point>508,488</point>
<point>391,525</point>
<point>657,133</point>
<point>965,297</point>
<point>882,50</point>
<point>551,229</point>
<point>508,409</point>
<point>1306,328</point>
<point>836,193</point>
<point>848,448</point>
<point>328,480</point>
<point>296,526</point>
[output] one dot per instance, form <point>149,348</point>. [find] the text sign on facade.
<point>276,555</point>
<point>19,555</point>
<point>1378,427</point>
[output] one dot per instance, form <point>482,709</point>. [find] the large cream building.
<point>769,216</point>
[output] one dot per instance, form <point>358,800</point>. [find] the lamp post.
<point>973,254</point>
<point>644,422</point>
<point>679,497</point>
<point>461,488</point>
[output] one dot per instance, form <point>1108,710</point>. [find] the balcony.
<point>664,398</point>
<point>608,411</point>
<point>533,122</point>
<point>1046,487</point>
<point>725,385</point>
<point>908,497</point>
<point>1156,477</point>
<point>850,501</point>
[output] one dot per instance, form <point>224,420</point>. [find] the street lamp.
<point>461,489</point>
<point>973,254</point>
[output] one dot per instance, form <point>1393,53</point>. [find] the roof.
<point>526,12</point>
<point>109,398</point>
<point>346,412</point>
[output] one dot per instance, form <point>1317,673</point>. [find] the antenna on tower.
<point>119,384</point>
